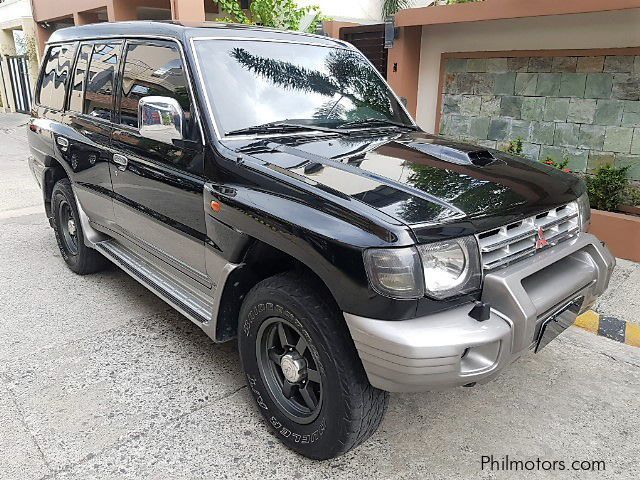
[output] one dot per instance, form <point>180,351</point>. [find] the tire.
<point>347,409</point>
<point>69,235</point>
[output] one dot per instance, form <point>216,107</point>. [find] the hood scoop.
<point>479,158</point>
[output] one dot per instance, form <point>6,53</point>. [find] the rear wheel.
<point>303,369</point>
<point>69,235</point>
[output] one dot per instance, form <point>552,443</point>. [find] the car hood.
<point>420,179</point>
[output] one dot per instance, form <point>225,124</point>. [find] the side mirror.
<point>160,119</point>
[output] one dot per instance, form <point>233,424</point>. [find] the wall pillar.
<point>188,10</point>
<point>7,47</point>
<point>42,36</point>
<point>121,11</point>
<point>85,18</point>
<point>332,27</point>
<point>403,67</point>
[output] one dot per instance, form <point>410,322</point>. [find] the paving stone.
<point>632,106</point>
<point>487,143</point>
<point>497,65</point>
<point>572,84</point>
<point>531,150</point>
<point>518,64</point>
<point>451,103</point>
<point>631,119</point>
<point>626,86</point>
<point>581,110</point>
<point>618,139</point>
<point>636,64</point>
<point>470,105</point>
<point>635,143</point>
<point>599,85</point>
<point>540,64</point>
<point>459,83</point>
<point>504,83</point>
<point>477,65</point>
<point>554,153</point>
<point>490,106</point>
<point>499,129</point>
<point>533,108</point>
<point>590,64</point>
<point>479,127</point>
<point>483,84</point>
<point>520,129</point>
<point>591,137</point>
<point>566,134</point>
<point>456,125</point>
<point>511,106</point>
<point>578,159</point>
<point>598,159</point>
<point>556,109</point>
<point>457,65</point>
<point>632,161</point>
<point>619,63</point>
<point>609,112</point>
<point>542,132</point>
<point>548,84</point>
<point>526,83</point>
<point>564,64</point>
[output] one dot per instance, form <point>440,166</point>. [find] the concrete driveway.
<point>99,379</point>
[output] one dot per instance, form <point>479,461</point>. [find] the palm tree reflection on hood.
<point>348,78</point>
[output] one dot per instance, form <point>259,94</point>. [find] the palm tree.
<point>391,7</point>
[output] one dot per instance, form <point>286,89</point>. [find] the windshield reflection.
<point>265,82</point>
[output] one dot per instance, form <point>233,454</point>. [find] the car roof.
<point>183,31</point>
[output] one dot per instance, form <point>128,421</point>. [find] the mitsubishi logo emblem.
<point>541,241</point>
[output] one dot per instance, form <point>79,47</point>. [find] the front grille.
<point>504,245</point>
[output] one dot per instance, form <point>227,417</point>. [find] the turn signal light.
<point>216,206</point>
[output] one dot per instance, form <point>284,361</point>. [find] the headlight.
<point>439,270</point>
<point>451,267</point>
<point>395,272</point>
<point>584,211</point>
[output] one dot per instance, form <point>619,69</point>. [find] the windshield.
<point>253,83</point>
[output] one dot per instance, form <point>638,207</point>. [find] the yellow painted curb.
<point>589,321</point>
<point>632,334</point>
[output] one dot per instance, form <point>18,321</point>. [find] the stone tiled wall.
<point>585,109</point>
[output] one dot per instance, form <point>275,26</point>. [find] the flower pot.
<point>619,231</point>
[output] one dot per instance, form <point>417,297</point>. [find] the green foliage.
<point>607,187</point>
<point>514,147</point>
<point>561,165</point>
<point>632,195</point>
<point>391,7</point>
<point>281,14</point>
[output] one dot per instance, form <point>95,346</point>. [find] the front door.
<point>158,187</point>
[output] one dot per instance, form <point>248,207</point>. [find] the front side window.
<point>79,78</point>
<point>152,70</point>
<point>55,76</point>
<point>99,91</point>
<point>253,83</point>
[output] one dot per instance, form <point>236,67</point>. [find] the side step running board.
<point>195,309</point>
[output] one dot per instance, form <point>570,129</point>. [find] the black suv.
<point>271,187</point>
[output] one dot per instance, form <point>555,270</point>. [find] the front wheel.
<point>303,369</point>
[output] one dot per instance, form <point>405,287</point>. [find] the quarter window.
<point>99,92</point>
<point>79,77</point>
<point>55,76</point>
<point>152,69</point>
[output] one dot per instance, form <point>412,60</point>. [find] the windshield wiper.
<point>284,127</point>
<point>374,122</point>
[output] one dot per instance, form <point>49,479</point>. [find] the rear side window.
<point>55,75</point>
<point>152,69</point>
<point>79,78</point>
<point>99,91</point>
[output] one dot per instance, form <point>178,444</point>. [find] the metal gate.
<point>20,84</point>
<point>369,39</point>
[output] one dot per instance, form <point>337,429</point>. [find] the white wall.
<point>11,11</point>
<point>364,11</point>
<point>593,30</point>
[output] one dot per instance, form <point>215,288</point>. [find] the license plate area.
<point>558,322</point>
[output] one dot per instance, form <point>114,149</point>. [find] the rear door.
<point>159,192</point>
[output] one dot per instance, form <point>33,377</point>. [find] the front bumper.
<point>449,349</point>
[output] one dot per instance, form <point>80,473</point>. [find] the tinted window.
<point>55,75</point>
<point>152,70</point>
<point>79,76</point>
<point>98,97</point>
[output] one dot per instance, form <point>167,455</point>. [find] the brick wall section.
<point>585,109</point>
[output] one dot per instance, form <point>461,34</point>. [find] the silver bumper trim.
<point>449,349</point>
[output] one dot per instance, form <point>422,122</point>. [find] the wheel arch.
<point>54,172</point>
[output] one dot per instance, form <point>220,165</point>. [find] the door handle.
<point>121,161</point>
<point>63,143</point>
